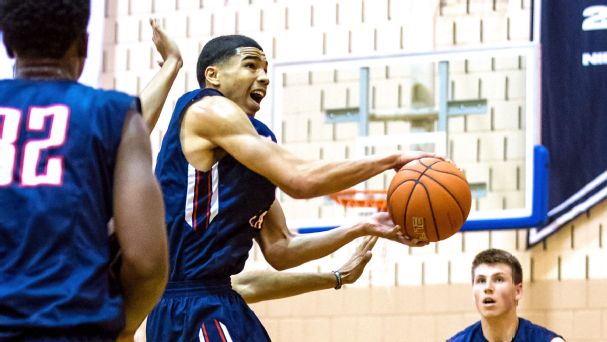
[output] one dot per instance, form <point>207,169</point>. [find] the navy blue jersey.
<point>58,146</point>
<point>526,332</point>
<point>212,217</point>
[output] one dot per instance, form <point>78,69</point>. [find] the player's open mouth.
<point>488,301</point>
<point>257,95</point>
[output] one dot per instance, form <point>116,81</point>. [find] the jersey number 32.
<point>30,174</point>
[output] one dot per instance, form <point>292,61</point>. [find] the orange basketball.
<point>430,198</point>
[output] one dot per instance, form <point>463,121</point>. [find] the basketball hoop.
<point>353,198</point>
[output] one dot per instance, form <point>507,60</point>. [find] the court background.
<point>406,294</point>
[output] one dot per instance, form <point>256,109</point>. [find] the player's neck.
<point>43,69</point>
<point>500,329</point>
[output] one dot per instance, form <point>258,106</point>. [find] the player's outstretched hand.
<point>380,224</point>
<point>166,46</point>
<point>353,268</point>
<point>409,156</point>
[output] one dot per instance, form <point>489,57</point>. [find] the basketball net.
<point>354,198</point>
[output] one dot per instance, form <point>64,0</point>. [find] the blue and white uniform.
<point>212,218</point>
<point>58,147</point>
<point>526,332</point>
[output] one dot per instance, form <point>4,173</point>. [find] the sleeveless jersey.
<point>212,217</point>
<point>58,145</point>
<point>526,332</point>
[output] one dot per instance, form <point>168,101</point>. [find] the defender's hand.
<point>353,268</point>
<point>166,46</point>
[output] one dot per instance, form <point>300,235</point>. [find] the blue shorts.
<point>209,312</point>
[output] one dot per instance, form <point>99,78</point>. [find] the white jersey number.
<point>10,119</point>
<point>596,18</point>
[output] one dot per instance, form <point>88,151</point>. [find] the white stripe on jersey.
<point>225,332</point>
<point>201,336</point>
<point>189,197</point>
<point>215,191</point>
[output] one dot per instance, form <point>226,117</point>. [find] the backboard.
<point>479,108</point>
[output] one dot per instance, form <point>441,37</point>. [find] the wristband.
<point>338,282</point>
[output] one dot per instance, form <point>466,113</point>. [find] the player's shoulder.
<point>100,96</point>
<point>210,106</point>
<point>210,99</point>
<point>467,333</point>
<point>112,94</point>
<point>538,331</point>
<point>189,97</point>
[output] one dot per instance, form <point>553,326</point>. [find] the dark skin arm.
<point>154,95</point>
<point>216,123</point>
<point>283,249</point>
<point>139,225</point>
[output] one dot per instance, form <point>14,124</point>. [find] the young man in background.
<point>497,287</point>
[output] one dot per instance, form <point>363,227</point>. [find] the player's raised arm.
<point>154,95</point>
<point>218,122</point>
<point>139,224</point>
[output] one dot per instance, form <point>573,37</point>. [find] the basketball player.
<point>497,287</point>
<point>253,286</point>
<point>219,168</point>
<point>71,158</point>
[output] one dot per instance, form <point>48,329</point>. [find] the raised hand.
<point>353,268</point>
<point>166,46</point>
<point>409,156</point>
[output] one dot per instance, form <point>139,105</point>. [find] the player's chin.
<point>253,106</point>
<point>489,313</point>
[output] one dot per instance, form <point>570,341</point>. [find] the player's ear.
<point>519,292</point>
<point>211,75</point>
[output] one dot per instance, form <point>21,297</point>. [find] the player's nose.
<point>262,77</point>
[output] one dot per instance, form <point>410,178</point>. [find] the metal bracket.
<point>466,107</point>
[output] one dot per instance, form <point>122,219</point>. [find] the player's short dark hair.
<point>43,28</point>
<point>219,49</point>
<point>498,256</point>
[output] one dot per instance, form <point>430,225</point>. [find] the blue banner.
<point>574,108</point>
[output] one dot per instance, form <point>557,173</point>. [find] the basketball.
<point>430,198</point>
